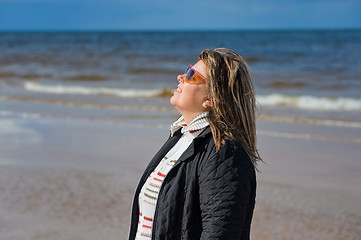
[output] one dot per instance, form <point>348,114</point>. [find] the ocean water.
<point>312,76</point>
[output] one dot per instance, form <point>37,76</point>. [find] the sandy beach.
<point>74,178</point>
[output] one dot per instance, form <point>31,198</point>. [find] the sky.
<point>40,15</point>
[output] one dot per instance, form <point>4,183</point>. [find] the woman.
<point>202,184</point>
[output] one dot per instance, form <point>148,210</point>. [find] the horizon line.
<point>185,30</point>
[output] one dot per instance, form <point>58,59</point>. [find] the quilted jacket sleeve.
<point>225,181</point>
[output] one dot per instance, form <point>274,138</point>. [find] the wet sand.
<point>74,179</point>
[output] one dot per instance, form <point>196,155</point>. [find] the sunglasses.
<point>193,77</point>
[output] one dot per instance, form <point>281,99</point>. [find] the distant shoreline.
<point>177,30</point>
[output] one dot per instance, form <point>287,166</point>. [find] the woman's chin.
<point>172,100</point>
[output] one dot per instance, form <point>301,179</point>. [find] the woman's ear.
<point>207,104</point>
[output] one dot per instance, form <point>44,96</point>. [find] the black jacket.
<point>208,194</point>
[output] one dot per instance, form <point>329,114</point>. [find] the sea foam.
<point>301,102</point>
<point>311,102</point>
<point>83,90</point>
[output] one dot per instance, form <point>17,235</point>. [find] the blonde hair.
<point>231,93</point>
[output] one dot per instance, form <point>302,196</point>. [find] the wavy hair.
<point>231,93</point>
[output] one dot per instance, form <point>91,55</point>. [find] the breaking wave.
<point>279,100</point>
<point>83,90</point>
<point>311,102</point>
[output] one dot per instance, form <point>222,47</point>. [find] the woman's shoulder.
<point>228,148</point>
<point>229,163</point>
<point>232,148</point>
<point>230,153</point>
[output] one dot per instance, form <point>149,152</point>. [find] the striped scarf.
<point>198,122</point>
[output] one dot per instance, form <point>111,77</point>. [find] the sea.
<point>310,76</point>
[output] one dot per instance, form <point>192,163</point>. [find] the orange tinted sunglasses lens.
<point>193,76</point>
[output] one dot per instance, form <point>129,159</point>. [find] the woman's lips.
<point>179,90</point>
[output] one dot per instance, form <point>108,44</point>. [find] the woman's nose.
<point>180,78</point>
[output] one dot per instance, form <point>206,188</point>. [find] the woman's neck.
<point>188,117</point>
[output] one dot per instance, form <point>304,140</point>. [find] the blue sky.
<point>178,15</point>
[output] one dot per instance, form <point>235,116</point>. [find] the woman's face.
<point>189,98</point>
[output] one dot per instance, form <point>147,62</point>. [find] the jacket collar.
<point>203,134</point>
<point>191,149</point>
